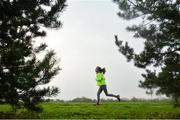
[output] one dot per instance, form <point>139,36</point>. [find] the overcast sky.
<point>87,40</point>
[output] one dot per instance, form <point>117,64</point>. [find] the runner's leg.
<point>108,94</point>
<point>98,94</point>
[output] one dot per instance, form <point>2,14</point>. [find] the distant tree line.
<point>89,100</point>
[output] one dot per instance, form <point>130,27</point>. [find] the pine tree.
<point>160,28</point>
<point>22,74</point>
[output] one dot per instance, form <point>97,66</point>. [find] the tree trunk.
<point>176,101</point>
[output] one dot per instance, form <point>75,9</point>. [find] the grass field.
<point>107,110</point>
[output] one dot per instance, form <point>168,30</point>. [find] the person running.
<point>100,79</point>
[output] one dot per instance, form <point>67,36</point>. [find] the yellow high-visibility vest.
<point>100,79</point>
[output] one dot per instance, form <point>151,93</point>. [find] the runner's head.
<point>98,69</point>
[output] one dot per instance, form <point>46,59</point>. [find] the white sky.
<point>87,40</point>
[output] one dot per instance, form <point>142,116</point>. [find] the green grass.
<point>111,110</point>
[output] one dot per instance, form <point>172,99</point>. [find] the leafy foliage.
<point>160,28</point>
<point>21,72</point>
